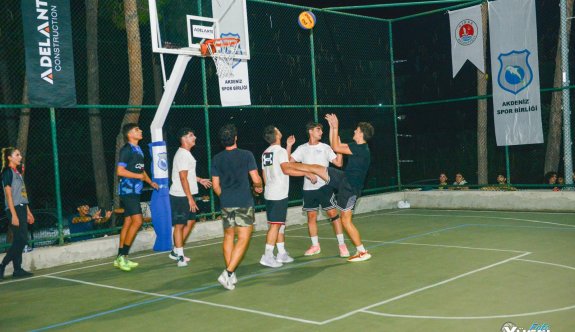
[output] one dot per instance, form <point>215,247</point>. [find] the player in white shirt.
<point>184,186</point>
<point>316,194</point>
<point>276,192</point>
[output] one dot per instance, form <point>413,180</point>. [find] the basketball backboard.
<point>180,26</point>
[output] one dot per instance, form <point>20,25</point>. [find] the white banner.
<point>466,38</point>
<point>515,72</point>
<point>235,90</point>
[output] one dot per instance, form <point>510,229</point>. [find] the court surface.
<point>432,270</point>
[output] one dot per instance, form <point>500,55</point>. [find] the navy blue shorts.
<point>131,204</point>
<point>181,210</point>
<point>276,211</point>
<point>345,195</point>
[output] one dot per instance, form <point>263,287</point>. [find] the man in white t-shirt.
<point>316,194</point>
<point>184,186</point>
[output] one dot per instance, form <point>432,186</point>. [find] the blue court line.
<point>250,276</point>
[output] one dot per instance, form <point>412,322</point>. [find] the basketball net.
<point>222,51</point>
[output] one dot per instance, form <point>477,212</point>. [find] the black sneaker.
<point>2,268</point>
<point>22,274</point>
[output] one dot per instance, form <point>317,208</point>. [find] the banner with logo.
<point>515,72</point>
<point>49,53</point>
<point>466,38</point>
<point>235,90</point>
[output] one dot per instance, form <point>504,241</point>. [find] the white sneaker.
<point>284,258</point>
<point>182,262</point>
<point>234,279</point>
<point>175,256</point>
<point>270,261</point>
<point>226,281</point>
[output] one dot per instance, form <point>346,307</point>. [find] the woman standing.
<point>17,210</point>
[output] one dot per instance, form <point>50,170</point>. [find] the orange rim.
<point>218,42</point>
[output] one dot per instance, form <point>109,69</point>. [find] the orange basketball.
<point>306,20</point>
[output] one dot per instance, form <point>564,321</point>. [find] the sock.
<point>229,273</point>
<point>281,247</point>
<point>179,251</point>
<point>126,250</point>
<point>120,251</point>
<point>269,250</point>
<point>314,241</point>
<point>360,248</point>
<point>340,240</point>
<point>282,229</point>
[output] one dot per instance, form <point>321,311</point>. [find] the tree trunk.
<point>24,124</point>
<point>158,80</point>
<point>94,118</point>
<point>552,154</point>
<point>482,171</point>
<point>136,77</point>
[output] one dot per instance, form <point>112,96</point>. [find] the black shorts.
<point>312,199</point>
<point>131,204</point>
<point>276,211</point>
<point>345,194</point>
<point>181,210</point>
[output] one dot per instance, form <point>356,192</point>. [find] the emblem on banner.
<point>515,73</point>
<point>224,49</point>
<point>163,161</point>
<point>466,32</point>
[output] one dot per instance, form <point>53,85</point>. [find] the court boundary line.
<point>485,217</point>
<point>250,276</point>
<point>415,291</point>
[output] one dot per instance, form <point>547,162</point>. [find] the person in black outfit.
<point>19,214</point>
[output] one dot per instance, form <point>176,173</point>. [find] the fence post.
<point>56,175</point>
<point>394,103</point>
<point>313,82</point>
<point>567,143</point>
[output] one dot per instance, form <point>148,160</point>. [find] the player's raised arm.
<point>334,140</point>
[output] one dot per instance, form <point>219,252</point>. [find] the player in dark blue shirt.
<point>132,173</point>
<point>348,183</point>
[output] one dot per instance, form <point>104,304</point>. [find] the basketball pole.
<point>160,202</point>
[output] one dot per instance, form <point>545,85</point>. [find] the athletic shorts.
<point>312,199</point>
<point>131,204</point>
<point>276,211</point>
<point>345,194</point>
<point>181,210</point>
<point>238,217</point>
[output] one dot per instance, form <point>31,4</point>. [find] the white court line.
<point>484,217</point>
<point>421,289</point>
<point>293,228</point>
<point>502,211</point>
<point>470,317</point>
<point>547,263</point>
<point>262,313</point>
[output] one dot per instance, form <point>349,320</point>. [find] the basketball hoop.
<point>222,51</point>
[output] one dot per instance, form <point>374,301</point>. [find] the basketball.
<point>306,20</point>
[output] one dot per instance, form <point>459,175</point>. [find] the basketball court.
<point>432,269</point>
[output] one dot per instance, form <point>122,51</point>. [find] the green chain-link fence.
<point>345,65</point>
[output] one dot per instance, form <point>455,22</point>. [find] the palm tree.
<point>482,176</point>
<point>95,120</point>
<point>552,154</point>
<point>132,115</point>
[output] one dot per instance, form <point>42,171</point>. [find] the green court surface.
<point>432,270</point>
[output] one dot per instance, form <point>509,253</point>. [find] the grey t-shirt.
<point>13,179</point>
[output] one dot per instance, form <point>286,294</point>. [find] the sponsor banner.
<point>49,52</point>
<point>515,72</point>
<point>466,38</point>
<point>160,158</point>
<point>160,203</point>
<point>204,32</point>
<point>235,90</point>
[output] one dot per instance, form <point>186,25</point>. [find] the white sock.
<point>314,241</point>
<point>340,240</point>
<point>360,248</point>
<point>281,247</point>
<point>179,251</point>
<point>282,229</point>
<point>269,250</point>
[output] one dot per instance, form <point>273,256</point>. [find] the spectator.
<point>442,181</point>
<point>460,182</point>
<point>501,180</point>
<point>551,179</point>
<point>82,221</point>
